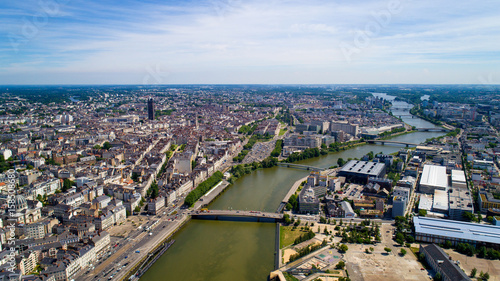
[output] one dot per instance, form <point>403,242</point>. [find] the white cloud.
<point>232,41</point>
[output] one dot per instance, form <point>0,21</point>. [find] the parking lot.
<point>353,191</point>
<point>260,151</point>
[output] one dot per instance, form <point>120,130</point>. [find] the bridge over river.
<point>298,166</point>
<point>383,142</point>
<point>436,129</point>
<point>237,215</point>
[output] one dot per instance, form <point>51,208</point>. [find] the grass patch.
<point>288,236</point>
<point>414,250</point>
<point>282,132</point>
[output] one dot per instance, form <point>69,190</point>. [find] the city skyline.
<point>256,42</point>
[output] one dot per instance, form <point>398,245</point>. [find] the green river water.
<point>230,251</point>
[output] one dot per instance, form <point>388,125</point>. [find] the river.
<point>228,251</point>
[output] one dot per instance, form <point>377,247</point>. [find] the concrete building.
<point>308,202</point>
<point>458,179</point>
<point>440,204</point>
<point>156,205</point>
<point>361,171</point>
<point>296,140</point>
<point>101,242</point>
<point>433,177</point>
<point>39,229</point>
<point>425,202</point>
<point>401,191</point>
<point>487,201</point>
<point>399,204</point>
<point>460,201</point>
<point>151,110</point>
<point>351,129</point>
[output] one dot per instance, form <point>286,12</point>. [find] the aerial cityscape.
<point>250,182</point>
<point>223,140</point>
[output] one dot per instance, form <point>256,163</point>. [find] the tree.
<point>447,244</point>
<point>403,252</point>
<point>473,272</point>
<point>438,277</point>
<point>400,238</point>
<point>486,276</point>
<point>388,250</point>
<point>340,265</point>
<point>97,146</point>
<point>468,216</point>
<point>343,248</point>
<point>341,162</point>
<point>67,184</point>
<point>286,219</point>
<point>137,209</point>
<point>106,145</point>
<point>422,212</point>
<point>371,249</point>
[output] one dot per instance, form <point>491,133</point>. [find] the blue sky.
<point>262,42</point>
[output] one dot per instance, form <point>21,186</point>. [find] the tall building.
<point>151,111</point>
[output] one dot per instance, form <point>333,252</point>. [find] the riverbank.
<point>147,251</point>
<point>171,231</point>
<point>226,251</point>
<point>398,134</point>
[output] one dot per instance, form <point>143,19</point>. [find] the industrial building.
<point>440,204</point>
<point>433,177</point>
<point>440,262</point>
<point>431,230</point>
<point>458,179</point>
<point>425,202</point>
<point>460,201</point>
<point>348,211</point>
<point>361,171</point>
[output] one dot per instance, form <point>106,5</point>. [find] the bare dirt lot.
<point>380,266</point>
<point>468,263</point>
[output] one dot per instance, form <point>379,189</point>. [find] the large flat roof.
<point>458,229</point>
<point>434,176</point>
<point>440,200</point>
<point>363,167</point>
<point>425,203</point>
<point>458,176</point>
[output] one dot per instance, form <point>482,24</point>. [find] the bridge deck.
<point>299,166</point>
<point>395,142</point>
<point>238,213</point>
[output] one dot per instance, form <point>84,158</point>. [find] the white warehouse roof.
<point>425,203</point>
<point>457,176</point>
<point>440,200</point>
<point>457,229</point>
<point>434,176</point>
